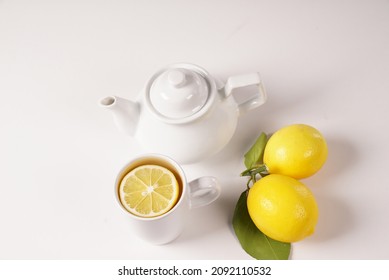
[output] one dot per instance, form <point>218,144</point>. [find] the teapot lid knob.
<point>176,78</point>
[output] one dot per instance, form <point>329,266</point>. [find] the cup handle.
<point>250,81</point>
<point>203,191</point>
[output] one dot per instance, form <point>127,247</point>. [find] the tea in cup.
<point>155,194</point>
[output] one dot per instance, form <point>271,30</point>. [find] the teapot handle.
<point>249,82</point>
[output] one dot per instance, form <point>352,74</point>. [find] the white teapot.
<point>185,113</point>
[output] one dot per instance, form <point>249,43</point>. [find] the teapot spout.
<point>125,113</point>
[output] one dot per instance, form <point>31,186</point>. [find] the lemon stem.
<point>254,172</point>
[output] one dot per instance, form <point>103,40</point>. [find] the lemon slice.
<point>149,191</point>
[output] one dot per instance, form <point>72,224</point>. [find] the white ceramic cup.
<point>167,227</point>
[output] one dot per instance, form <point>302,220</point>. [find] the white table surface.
<point>324,63</point>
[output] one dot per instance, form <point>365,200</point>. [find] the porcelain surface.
<point>184,112</point>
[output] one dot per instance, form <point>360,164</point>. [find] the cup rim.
<point>124,170</point>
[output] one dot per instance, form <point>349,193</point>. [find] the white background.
<point>324,63</point>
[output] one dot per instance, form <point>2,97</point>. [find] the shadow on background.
<point>336,217</point>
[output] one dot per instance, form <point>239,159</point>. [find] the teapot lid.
<point>178,93</point>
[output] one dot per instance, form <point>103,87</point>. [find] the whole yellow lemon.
<point>298,150</point>
<point>282,208</point>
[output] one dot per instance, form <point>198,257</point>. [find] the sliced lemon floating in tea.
<point>149,191</point>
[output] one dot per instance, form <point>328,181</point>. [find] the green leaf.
<point>252,240</point>
<point>255,154</point>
